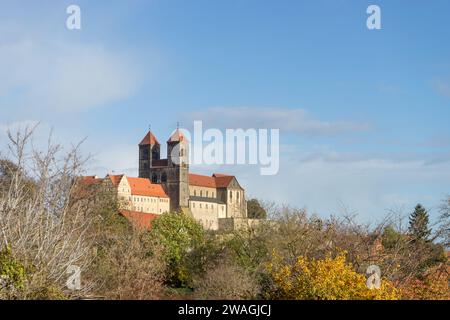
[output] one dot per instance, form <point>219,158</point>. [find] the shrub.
<point>226,281</point>
<point>434,285</point>
<point>12,274</point>
<point>326,279</point>
<point>178,235</point>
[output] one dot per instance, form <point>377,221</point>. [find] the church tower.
<point>149,150</point>
<point>177,184</point>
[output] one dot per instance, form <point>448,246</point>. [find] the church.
<point>217,202</point>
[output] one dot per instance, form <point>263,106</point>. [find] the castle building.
<point>210,199</point>
<point>139,200</point>
<point>217,202</point>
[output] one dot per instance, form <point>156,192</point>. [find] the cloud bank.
<point>287,120</point>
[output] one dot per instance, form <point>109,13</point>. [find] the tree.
<point>418,223</point>
<point>391,238</point>
<point>178,235</point>
<point>43,230</point>
<point>255,210</point>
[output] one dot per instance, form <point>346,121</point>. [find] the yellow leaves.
<point>326,279</point>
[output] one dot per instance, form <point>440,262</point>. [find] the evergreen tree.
<point>418,223</point>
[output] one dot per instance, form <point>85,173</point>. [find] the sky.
<point>363,114</point>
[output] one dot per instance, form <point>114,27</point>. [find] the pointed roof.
<point>115,179</point>
<point>149,138</point>
<point>177,136</point>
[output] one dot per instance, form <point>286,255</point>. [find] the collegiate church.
<point>218,201</point>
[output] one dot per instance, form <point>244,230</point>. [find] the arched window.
<point>154,178</point>
<point>164,177</point>
<point>155,154</point>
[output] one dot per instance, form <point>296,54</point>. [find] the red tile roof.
<point>91,180</point>
<point>222,180</point>
<point>176,136</point>
<point>216,181</point>
<point>149,139</point>
<point>115,179</point>
<point>139,219</point>
<point>144,187</point>
<point>201,181</point>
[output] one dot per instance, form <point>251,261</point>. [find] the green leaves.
<point>177,234</point>
<point>12,273</point>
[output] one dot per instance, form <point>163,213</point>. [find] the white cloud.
<point>61,76</point>
<point>288,120</point>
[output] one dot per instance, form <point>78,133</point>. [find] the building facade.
<point>209,199</point>
<point>217,202</point>
<point>139,200</point>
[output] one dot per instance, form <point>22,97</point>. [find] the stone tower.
<point>149,150</point>
<point>177,184</point>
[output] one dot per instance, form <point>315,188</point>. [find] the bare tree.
<point>38,222</point>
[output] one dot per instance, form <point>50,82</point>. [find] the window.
<point>238,198</point>
<point>200,205</point>
<point>207,193</point>
<point>195,193</point>
<point>201,193</point>
<point>231,195</point>
<point>154,178</point>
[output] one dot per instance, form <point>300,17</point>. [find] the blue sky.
<point>363,114</point>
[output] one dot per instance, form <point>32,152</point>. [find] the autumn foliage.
<point>434,285</point>
<point>326,279</point>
